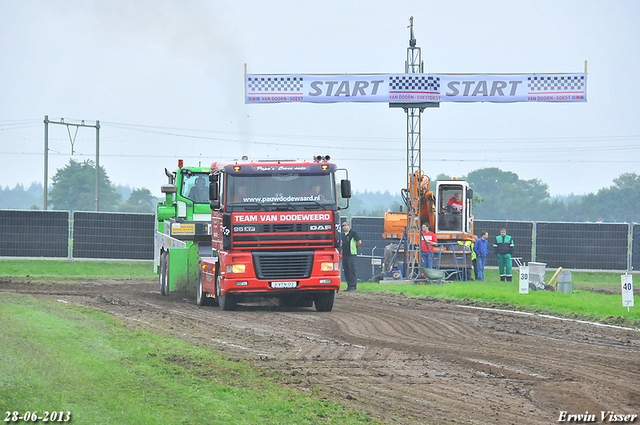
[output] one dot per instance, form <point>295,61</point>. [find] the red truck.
<point>275,230</point>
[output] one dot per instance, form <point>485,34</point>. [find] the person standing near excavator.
<point>481,249</point>
<point>428,241</point>
<point>504,248</point>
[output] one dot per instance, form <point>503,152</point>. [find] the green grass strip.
<point>581,304</point>
<point>86,269</point>
<point>60,358</point>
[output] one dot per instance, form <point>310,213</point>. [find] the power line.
<point>173,132</point>
<point>442,145</point>
<point>519,159</point>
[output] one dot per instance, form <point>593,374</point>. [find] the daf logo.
<point>320,227</point>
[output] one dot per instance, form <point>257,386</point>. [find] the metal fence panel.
<point>34,233</point>
<point>113,235</point>
<point>370,230</point>
<point>595,246</point>
<point>635,248</point>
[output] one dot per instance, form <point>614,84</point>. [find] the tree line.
<point>498,195</point>
<point>502,195</point>
<point>73,188</point>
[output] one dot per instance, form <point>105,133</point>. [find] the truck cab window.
<point>196,188</point>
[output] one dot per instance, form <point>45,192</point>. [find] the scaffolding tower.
<point>413,65</point>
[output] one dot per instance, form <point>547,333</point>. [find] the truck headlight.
<point>236,268</point>
<point>327,267</point>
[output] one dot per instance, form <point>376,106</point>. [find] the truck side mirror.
<point>345,188</point>
<point>470,194</point>
<point>214,190</point>
<point>169,190</point>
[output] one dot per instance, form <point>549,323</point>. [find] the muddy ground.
<point>402,360</point>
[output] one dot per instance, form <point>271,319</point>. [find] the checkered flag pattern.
<point>274,84</point>
<point>414,83</point>
<point>556,83</point>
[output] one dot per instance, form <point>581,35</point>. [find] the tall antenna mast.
<point>413,65</point>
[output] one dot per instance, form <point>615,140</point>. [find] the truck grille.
<point>283,265</point>
<point>283,227</point>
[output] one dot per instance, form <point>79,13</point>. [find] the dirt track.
<point>403,360</point>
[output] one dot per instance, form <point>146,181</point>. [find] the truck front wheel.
<point>227,301</point>
<point>324,302</point>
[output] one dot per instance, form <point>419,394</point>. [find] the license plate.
<point>285,284</point>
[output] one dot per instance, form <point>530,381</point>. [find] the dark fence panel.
<point>370,230</point>
<point>34,233</point>
<point>635,248</point>
<point>595,246</point>
<point>520,231</point>
<point>364,270</point>
<point>113,235</point>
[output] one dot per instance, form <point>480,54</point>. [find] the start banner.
<point>416,88</point>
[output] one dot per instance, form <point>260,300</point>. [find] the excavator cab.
<point>453,206</point>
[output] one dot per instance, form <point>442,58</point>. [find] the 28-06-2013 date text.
<point>53,416</point>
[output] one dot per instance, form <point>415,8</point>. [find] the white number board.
<point>627,290</point>
<point>524,279</point>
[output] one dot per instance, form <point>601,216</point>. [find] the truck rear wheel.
<point>225,302</point>
<point>201,296</point>
<point>163,275</point>
<point>166,272</point>
<point>324,302</point>
<point>160,272</point>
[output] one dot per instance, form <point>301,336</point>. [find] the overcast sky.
<point>165,80</point>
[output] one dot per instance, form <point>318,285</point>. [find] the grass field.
<point>57,358</point>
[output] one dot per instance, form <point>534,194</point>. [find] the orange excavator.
<point>447,210</point>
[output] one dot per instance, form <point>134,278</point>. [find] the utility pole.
<point>72,140</point>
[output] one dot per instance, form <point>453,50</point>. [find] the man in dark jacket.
<point>504,248</point>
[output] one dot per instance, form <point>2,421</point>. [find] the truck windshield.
<point>195,186</point>
<point>280,188</point>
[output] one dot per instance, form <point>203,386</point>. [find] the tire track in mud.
<point>438,367</point>
<point>402,360</point>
